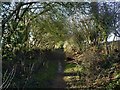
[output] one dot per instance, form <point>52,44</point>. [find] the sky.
<point>111,37</point>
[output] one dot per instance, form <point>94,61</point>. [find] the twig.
<point>9,78</point>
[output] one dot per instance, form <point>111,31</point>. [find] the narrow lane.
<point>58,82</point>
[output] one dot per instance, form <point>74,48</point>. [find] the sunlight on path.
<point>59,67</point>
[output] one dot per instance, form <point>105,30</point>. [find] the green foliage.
<point>115,84</point>
<point>31,30</point>
<point>44,76</point>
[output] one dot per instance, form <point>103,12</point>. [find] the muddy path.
<point>58,81</point>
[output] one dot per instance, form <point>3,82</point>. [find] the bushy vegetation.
<point>94,70</point>
<point>37,36</point>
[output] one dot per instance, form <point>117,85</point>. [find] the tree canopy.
<point>31,30</point>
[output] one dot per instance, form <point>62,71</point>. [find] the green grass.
<point>71,67</point>
<point>48,74</point>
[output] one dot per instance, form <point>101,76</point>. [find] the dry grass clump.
<point>97,68</point>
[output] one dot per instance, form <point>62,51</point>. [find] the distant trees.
<point>93,22</point>
<point>31,24</point>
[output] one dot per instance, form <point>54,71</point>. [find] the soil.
<point>59,82</point>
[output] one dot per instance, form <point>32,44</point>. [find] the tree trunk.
<point>106,46</point>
